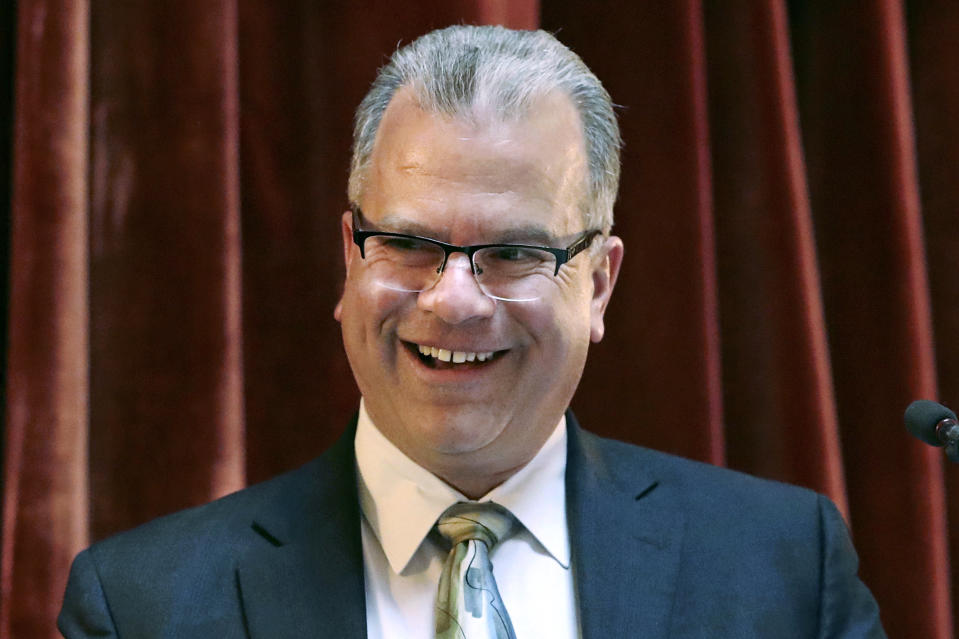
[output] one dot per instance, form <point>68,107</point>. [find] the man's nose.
<point>457,297</point>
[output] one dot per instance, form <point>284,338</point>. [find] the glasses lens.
<point>514,273</point>
<point>403,263</point>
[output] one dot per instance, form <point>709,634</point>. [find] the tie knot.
<point>486,522</point>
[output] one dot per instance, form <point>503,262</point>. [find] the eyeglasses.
<point>509,272</point>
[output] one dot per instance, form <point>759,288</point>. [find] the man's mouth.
<point>443,358</point>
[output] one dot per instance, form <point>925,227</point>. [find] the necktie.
<point>468,605</point>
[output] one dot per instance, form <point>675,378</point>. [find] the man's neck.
<point>475,486</point>
<point>473,473</point>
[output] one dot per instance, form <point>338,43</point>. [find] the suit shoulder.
<point>161,573</point>
<point>217,526</point>
<point>704,485</point>
<point>749,552</point>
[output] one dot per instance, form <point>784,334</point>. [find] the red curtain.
<point>789,197</point>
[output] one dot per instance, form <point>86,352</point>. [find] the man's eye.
<point>514,254</point>
<point>507,254</point>
<point>403,244</point>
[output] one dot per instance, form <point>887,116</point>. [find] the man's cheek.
<point>376,311</point>
<point>383,308</point>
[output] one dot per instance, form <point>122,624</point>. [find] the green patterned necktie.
<point>468,605</point>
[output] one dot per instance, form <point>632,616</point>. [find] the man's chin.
<point>459,434</point>
<point>445,432</point>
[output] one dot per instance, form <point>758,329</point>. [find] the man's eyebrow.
<point>526,235</point>
<point>399,224</point>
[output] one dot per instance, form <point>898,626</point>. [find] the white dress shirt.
<point>401,502</point>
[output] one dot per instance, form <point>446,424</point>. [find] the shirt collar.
<point>401,500</point>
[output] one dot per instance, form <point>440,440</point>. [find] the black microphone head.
<point>922,416</point>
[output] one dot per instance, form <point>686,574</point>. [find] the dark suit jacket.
<point>662,547</point>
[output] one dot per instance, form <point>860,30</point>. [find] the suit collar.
<point>627,534</point>
<point>303,575</point>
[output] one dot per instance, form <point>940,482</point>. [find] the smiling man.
<point>466,501</point>
<point>471,180</point>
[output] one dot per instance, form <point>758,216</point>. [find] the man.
<point>478,268</point>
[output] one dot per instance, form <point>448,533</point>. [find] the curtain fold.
<point>165,302</point>
<point>854,86</point>
<point>45,501</point>
<point>788,206</point>
<point>775,358</point>
<point>932,29</point>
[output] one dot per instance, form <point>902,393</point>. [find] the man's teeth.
<point>457,357</point>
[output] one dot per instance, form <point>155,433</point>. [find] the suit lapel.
<point>626,536</point>
<point>304,576</point>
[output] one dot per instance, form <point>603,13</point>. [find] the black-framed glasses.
<point>511,272</point>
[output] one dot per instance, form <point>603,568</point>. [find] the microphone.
<point>934,424</point>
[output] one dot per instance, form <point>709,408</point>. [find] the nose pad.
<point>456,296</point>
<point>456,257</point>
<point>457,266</point>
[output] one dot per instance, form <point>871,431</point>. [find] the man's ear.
<point>605,272</point>
<point>346,230</point>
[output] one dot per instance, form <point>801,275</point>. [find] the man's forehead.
<point>537,162</point>
<point>550,121</point>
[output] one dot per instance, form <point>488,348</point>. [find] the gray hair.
<point>461,69</point>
